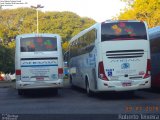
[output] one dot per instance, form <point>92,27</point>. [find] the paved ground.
<point>75,101</point>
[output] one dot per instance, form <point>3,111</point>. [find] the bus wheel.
<point>89,92</point>
<point>130,93</point>
<point>70,81</point>
<point>20,92</point>
<point>55,91</point>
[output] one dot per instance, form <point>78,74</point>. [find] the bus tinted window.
<point>83,44</point>
<point>123,31</point>
<point>155,44</point>
<point>33,44</point>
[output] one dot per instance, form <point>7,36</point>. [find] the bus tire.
<point>55,91</point>
<point>130,93</point>
<point>89,92</point>
<point>70,81</point>
<point>20,92</point>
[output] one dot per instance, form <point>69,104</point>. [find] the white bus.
<point>38,62</point>
<point>154,36</point>
<point>111,56</point>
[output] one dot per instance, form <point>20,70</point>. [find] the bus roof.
<point>36,35</point>
<point>154,32</point>
<point>113,21</point>
<point>96,24</point>
<point>83,32</point>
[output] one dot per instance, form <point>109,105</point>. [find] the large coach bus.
<point>111,56</point>
<point>154,35</point>
<point>38,62</point>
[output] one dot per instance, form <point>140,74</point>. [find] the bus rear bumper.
<point>123,85</point>
<point>40,84</point>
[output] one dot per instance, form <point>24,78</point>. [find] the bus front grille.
<point>117,54</point>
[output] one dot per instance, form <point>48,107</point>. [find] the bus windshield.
<point>34,44</point>
<point>123,31</point>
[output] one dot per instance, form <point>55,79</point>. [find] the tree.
<point>6,61</point>
<point>145,10</point>
<point>65,46</point>
<point>23,20</point>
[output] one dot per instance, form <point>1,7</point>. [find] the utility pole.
<point>37,8</point>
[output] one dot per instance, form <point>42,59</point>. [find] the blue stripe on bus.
<point>38,65</point>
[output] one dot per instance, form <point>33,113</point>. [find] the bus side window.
<point>155,45</point>
<point>30,49</point>
<point>23,49</point>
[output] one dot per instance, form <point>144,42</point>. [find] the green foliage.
<point>23,20</point>
<point>146,10</point>
<point>7,59</point>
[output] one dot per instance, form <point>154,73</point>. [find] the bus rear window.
<point>34,44</point>
<point>123,31</point>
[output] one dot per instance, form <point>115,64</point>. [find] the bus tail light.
<point>18,72</point>
<point>60,73</point>
<point>101,72</point>
<point>148,71</point>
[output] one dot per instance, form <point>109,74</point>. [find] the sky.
<point>99,10</point>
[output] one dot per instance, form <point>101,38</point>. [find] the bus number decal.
<point>109,71</point>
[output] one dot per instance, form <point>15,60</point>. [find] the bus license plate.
<point>125,84</point>
<point>39,78</point>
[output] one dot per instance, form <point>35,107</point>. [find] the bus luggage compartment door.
<point>39,70</point>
